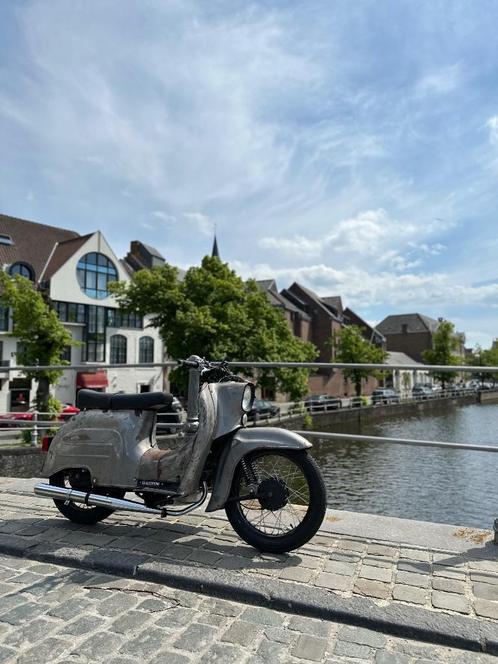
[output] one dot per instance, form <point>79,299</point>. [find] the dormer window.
<point>5,239</point>
<point>22,269</point>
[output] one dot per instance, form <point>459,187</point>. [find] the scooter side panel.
<point>108,444</point>
<point>245,441</point>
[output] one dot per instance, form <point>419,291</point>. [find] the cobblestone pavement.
<point>455,583</point>
<point>50,613</point>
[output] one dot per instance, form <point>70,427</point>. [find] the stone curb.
<point>396,620</point>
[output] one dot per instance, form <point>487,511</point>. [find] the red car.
<point>16,419</point>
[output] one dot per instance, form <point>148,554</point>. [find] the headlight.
<point>248,398</point>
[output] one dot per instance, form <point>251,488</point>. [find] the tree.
<point>42,337</point>
<point>352,347</point>
<point>212,312</point>
<point>484,358</point>
<point>445,342</point>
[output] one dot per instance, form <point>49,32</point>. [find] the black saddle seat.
<point>92,400</point>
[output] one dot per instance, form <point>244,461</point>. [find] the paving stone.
<point>242,632</point>
<point>448,585</point>
<point>168,657</point>
<point>351,545</point>
<point>386,657</point>
<point>415,566</point>
<point>372,588</point>
<point>311,562</point>
<point>99,645</point>
<point>353,650</point>
<point>486,591</point>
<point>310,647</point>
<point>340,567</point>
<point>263,616</point>
<point>149,640</point>
<point>411,579</point>
<point>376,573</point>
<point>299,574</point>
<point>222,653</point>
<point>448,572</point>
<point>273,652</point>
<point>450,602</point>
<point>483,576</point>
<point>221,607</point>
<point>311,626</point>
<point>410,594</point>
<point>81,626</point>
<point>177,617</point>
<point>378,561</point>
<point>486,608</point>
<point>334,581</point>
<point>70,609</point>
<point>6,654</point>
<point>130,622</point>
<point>345,556</point>
<point>205,557</point>
<point>196,638</point>
<point>46,651</point>
<point>22,613</point>
<point>366,637</point>
<point>279,634</point>
<point>33,631</point>
<point>155,605</point>
<point>382,550</point>
<point>415,554</point>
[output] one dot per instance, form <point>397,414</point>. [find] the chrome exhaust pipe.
<point>94,499</point>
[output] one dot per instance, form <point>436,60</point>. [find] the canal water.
<point>429,484</point>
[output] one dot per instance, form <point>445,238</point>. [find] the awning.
<point>94,380</point>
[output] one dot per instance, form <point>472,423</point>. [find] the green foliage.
<point>484,358</point>
<point>307,422</point>
<point>213,313</point>
<point>352,347</point>
<point>445,342</point>
<point>42,337</point>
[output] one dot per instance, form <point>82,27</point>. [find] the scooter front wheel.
<point>77,512</point>
<point>278,499</point>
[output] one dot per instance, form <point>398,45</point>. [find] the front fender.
<point>243,442</point>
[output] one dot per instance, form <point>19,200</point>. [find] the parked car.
<point>263,410</point>
<point>321,402</point>
<point>422,392</point>
<point>175,416</point>
<point>10,420</point>
<point>384,396</point>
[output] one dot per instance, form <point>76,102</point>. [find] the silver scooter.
<point>265,479</point>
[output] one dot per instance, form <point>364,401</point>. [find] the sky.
<point>350,146</point>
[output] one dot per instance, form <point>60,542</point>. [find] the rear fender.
<point>243,442</point>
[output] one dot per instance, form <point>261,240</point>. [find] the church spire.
<point>215,252</point>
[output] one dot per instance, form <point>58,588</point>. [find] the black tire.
<point>308,526</point>
<point>79,513</point>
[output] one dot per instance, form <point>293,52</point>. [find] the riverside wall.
<point>27,461</point>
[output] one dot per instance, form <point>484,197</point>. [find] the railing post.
<point>34,433</point>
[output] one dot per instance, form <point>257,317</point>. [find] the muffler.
<point>61,493</point>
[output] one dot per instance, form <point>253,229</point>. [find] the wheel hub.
<point>273,494</point>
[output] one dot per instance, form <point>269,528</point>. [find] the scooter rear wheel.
<point>78,512</point>
<point>289,499</point>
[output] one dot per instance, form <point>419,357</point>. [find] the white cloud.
<point>440,81</point>
<point>492,125</point>
<point>204,223</point>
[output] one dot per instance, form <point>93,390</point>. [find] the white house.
<point>75,272</point>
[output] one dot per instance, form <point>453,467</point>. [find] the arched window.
<point>23,269</point>
<point>94,272</point>
<point>146,350</point>
<point>118,349</point>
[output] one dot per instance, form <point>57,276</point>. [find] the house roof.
<point>61,253</point>
<point>349,313</point>
<point>32,243</point>
<point>152,250</point>
<point>414,322</point>
<point>335,301</point>
<point>317,300</point>
<point>394,357</point>
<point>269,287</point>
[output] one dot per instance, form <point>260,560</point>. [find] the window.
<point>5,239</point>
<point>4,319</point>
<point>118,349</point>
<point>95,271</point>
<point>146,350</point>
<point>69,312</point>
<point>118,318</point>
<point>66,355</point>
<point>23,269</point>
<point>95,334</point>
